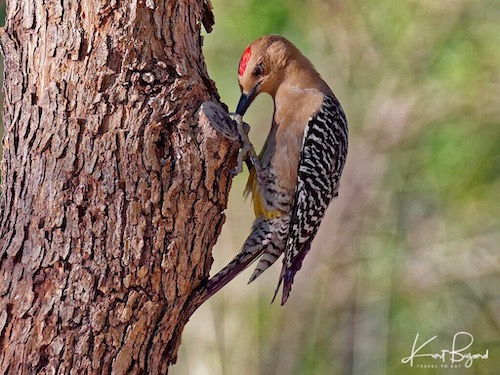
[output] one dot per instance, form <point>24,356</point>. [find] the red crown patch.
<point>244,61</point>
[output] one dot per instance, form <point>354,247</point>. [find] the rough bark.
<point>112,190</point>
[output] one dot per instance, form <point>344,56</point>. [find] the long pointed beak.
<point>246,100</point>
<point>243,104</point>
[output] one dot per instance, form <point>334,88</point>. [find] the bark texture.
<point>112,190</point>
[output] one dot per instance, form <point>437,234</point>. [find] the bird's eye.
<point>258,70</point>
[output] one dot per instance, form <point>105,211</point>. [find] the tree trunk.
<point>112,189</point>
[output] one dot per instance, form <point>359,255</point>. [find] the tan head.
<point>263,67</point>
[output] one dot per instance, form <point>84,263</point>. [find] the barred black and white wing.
<point>322,160</point>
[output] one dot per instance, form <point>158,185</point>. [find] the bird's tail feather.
<point>270,256</point>
<point>261,238</point>
<point>274,249</point>
<point>288,273</point>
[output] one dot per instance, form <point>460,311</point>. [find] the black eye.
<point>258,70</point>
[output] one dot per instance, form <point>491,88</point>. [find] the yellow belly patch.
<point>259,207</point>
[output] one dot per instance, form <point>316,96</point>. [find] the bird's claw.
<point>236,171</point>
<point>246,149</point>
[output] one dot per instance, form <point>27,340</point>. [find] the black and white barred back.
<point>321,163</point>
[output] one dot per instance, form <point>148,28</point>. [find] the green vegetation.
<point>412,244</point>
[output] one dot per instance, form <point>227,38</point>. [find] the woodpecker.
<point>298,171</point>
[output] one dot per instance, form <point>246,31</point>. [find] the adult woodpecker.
<point>300,163</point>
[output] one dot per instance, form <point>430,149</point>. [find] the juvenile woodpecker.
<point>300,164</point>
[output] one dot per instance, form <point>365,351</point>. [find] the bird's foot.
<point>247,150</point>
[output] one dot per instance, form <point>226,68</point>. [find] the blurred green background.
<point>412,243</point>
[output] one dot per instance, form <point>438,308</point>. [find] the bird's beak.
<point>246,100</point>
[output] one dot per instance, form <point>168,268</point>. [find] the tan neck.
<point>301,75</point>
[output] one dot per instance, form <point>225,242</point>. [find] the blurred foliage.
<point>412,243</point>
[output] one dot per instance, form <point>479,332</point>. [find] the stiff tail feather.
<point>288,273</point>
